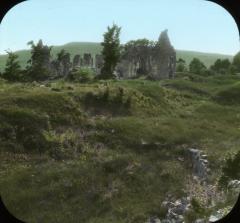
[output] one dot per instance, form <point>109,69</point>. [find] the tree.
<point>111,51</point>
<point>235,67</point>
<point>40,61</point>
<point>197,67</point>
<point>221,66</point>
<point>181,65</point>
<point>13,69</point>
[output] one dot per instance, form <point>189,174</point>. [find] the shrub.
<point>13,70</point>
<point>82,75</point>
<point>230,170</point>
<point>197,67</point>
<point>236,63</point>
<point>221,66</point>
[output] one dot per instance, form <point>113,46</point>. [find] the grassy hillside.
<point>94,48</point>
<point>110,151</point>
<point>207,58</point>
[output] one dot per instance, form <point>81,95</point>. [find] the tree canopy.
<point>235,68</point>
<point>197,67</point>
<point>221,66</point>
<point>111,51</point>
<point>12,70</point>
<point>40,61</point>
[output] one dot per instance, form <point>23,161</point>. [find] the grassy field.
<point>95,48</point>
<point>108,151</point>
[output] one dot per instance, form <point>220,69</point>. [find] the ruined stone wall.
<point>164,58</point>
<point>76,61</point>
<point>199,164</point>
<point>157,61</point>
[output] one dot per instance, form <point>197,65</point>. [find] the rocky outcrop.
<point>177,209</point>
<point>199,164</point>
<point>200,189</point>
<point>219,214</point>
<point>234,185</point>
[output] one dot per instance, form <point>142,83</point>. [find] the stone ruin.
<point>156,61</point>
<point>85,61</point>
<point>199,164</point>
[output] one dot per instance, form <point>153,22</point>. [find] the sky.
<point>196,25</point>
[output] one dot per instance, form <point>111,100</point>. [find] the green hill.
<point>207,58</point>
<point>94,48</point>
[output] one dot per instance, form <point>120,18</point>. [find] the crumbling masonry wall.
<point>158,62</point>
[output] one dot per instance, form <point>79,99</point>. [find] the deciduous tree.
<point>111,51</point>
<point>13,69</point>
<point>39,68</point>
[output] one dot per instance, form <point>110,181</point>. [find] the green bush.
<point>221,66</point>
<point>82,75</point>
<point>197,67</point>
<point>230,170</point>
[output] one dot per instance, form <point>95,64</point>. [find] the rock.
<point>153,220</point>
<point>180,219</point>
<point>200,221</point>
<point>220,214</point>
<point>143,142</point>
<point>167,221</point>
<point>213,218</point>
<point>164,204</point>
<point>234,184</point>
<point>199,164</point>
<point>181,159</point>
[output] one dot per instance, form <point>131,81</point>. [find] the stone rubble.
<point>178,208</point>
<point>199,186</point>
<point>199,164</point>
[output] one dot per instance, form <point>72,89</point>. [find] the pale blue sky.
<point>196,25</point>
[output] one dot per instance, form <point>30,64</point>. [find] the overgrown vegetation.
<point>108,151</point>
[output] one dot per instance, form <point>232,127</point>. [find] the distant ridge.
<point>94,48</point>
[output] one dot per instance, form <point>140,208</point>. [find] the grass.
<point>108,151</point>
